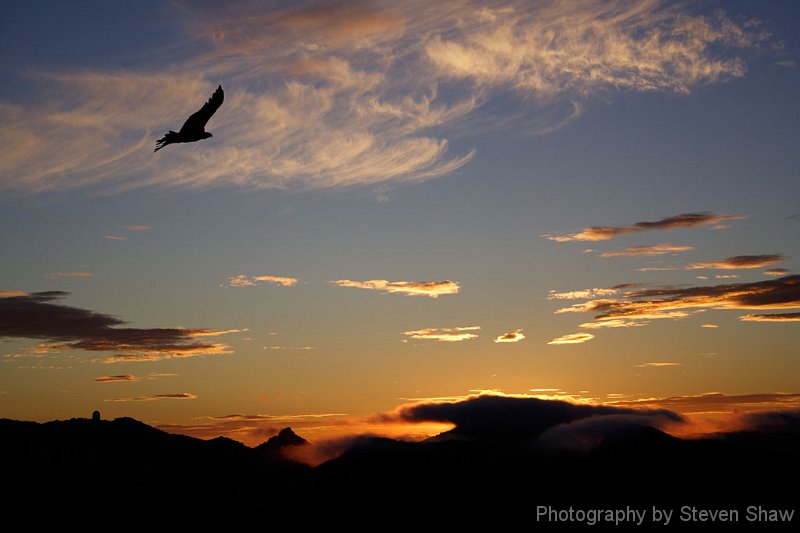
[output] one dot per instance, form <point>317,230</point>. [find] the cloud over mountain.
<point>497,415</point>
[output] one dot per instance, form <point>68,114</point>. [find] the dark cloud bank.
<point>505,456</point>
<point>39,316</point>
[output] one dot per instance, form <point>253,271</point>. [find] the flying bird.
<point>194,128</point>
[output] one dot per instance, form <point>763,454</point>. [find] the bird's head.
<point>206,135</point>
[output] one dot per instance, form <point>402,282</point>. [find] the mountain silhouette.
<point>123,475</point>
<point>194,128</point>
<point>285,437</point>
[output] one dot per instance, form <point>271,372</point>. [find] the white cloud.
<point>580,294</point>
<point>572,338</point>
<point>432,289</point>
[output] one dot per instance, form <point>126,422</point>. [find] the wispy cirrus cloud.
<point>36,316</point>
<point>432,289</point>
<point>771,317</point>
<point>250,281</point>
<point>776,272</point>
<point>739,262</point>
<point>140,227</point>
<point>572,338</point>
<point>671,302</point>
<point>647,250</point>
<point>456,334</point>
<point>686,220</point>
<point>511,336</point>
<point>154,397</point>
<point>114,238</point>
<point>658,364</point>
<point>321,94</point>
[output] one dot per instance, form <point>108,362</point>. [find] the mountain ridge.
<point>106,468</point>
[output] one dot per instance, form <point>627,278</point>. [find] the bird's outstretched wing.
<point>197,121</point>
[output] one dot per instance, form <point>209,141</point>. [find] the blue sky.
<point>406,144</point>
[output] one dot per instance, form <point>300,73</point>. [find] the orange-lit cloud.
<point>776,272</point>
<point>432,289</point>
<point>686,220</point>
<point>740,261</point>
<point>456,334</point>
<point>36,316</point>
<point>581,294</point>
<point>658,364</point>
<point>613,323</point>
<point>669,302</point>
<point>511,336</point>
<point>159,375</point>
<point>173,396</point>
<point>120,377</point>
<point>8,294</point>
<point>342,23</point>
<point>572,338</point>
<point>244,281</point>
<point>655,249</point>
<point>709,326</point>
<point>718,402</point>
<point>772,317</point>
<point>289,347</point>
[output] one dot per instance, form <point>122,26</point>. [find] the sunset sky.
<point>402,201</point>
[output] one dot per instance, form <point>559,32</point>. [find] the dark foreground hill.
<point>123,475</point>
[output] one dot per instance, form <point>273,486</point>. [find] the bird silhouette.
<point>194,128</point>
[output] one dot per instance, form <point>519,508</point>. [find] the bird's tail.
<point>169,138</point>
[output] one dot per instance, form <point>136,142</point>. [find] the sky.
<point>401,202</point>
